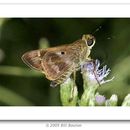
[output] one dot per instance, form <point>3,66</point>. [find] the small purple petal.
<point>100,99</point>
<point>88,66</point>
<point>91,69</point>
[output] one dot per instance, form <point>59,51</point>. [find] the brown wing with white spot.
<point>52,61</point>
<point>57,61</point>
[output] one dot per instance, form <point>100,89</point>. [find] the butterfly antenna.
<point>97,29</point>
<point>106,57</point>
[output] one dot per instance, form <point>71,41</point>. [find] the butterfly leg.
<point>95,64</point>
<point>53,84</point>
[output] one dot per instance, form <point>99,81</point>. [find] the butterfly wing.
<point>33,59</point>
<point>53,62</point>
<point>57,61</point>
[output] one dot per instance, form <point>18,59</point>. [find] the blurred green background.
<point>21,86</point>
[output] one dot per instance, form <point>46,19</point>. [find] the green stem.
<point>68,93</point>
<point>13,99</point>
<point>90,86</point>
<point>88,97</point>
<point>112,101</point>
<point>126,101</point>
<point>18,71</point>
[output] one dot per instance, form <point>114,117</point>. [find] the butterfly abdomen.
<point>62,78</point>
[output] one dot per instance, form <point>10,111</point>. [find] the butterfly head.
<point>89,40</point>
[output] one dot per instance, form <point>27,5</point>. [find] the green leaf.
<point>11,98</point>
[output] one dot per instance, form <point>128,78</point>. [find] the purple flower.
<point>94,74</point>
<point>100,100</point>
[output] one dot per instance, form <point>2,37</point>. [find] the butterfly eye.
<point>62,52</point>
<point>90,42</point>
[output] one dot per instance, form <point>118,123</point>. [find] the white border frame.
<point>65,10</point>
<point>64,113</point>
<point>62,1</point>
